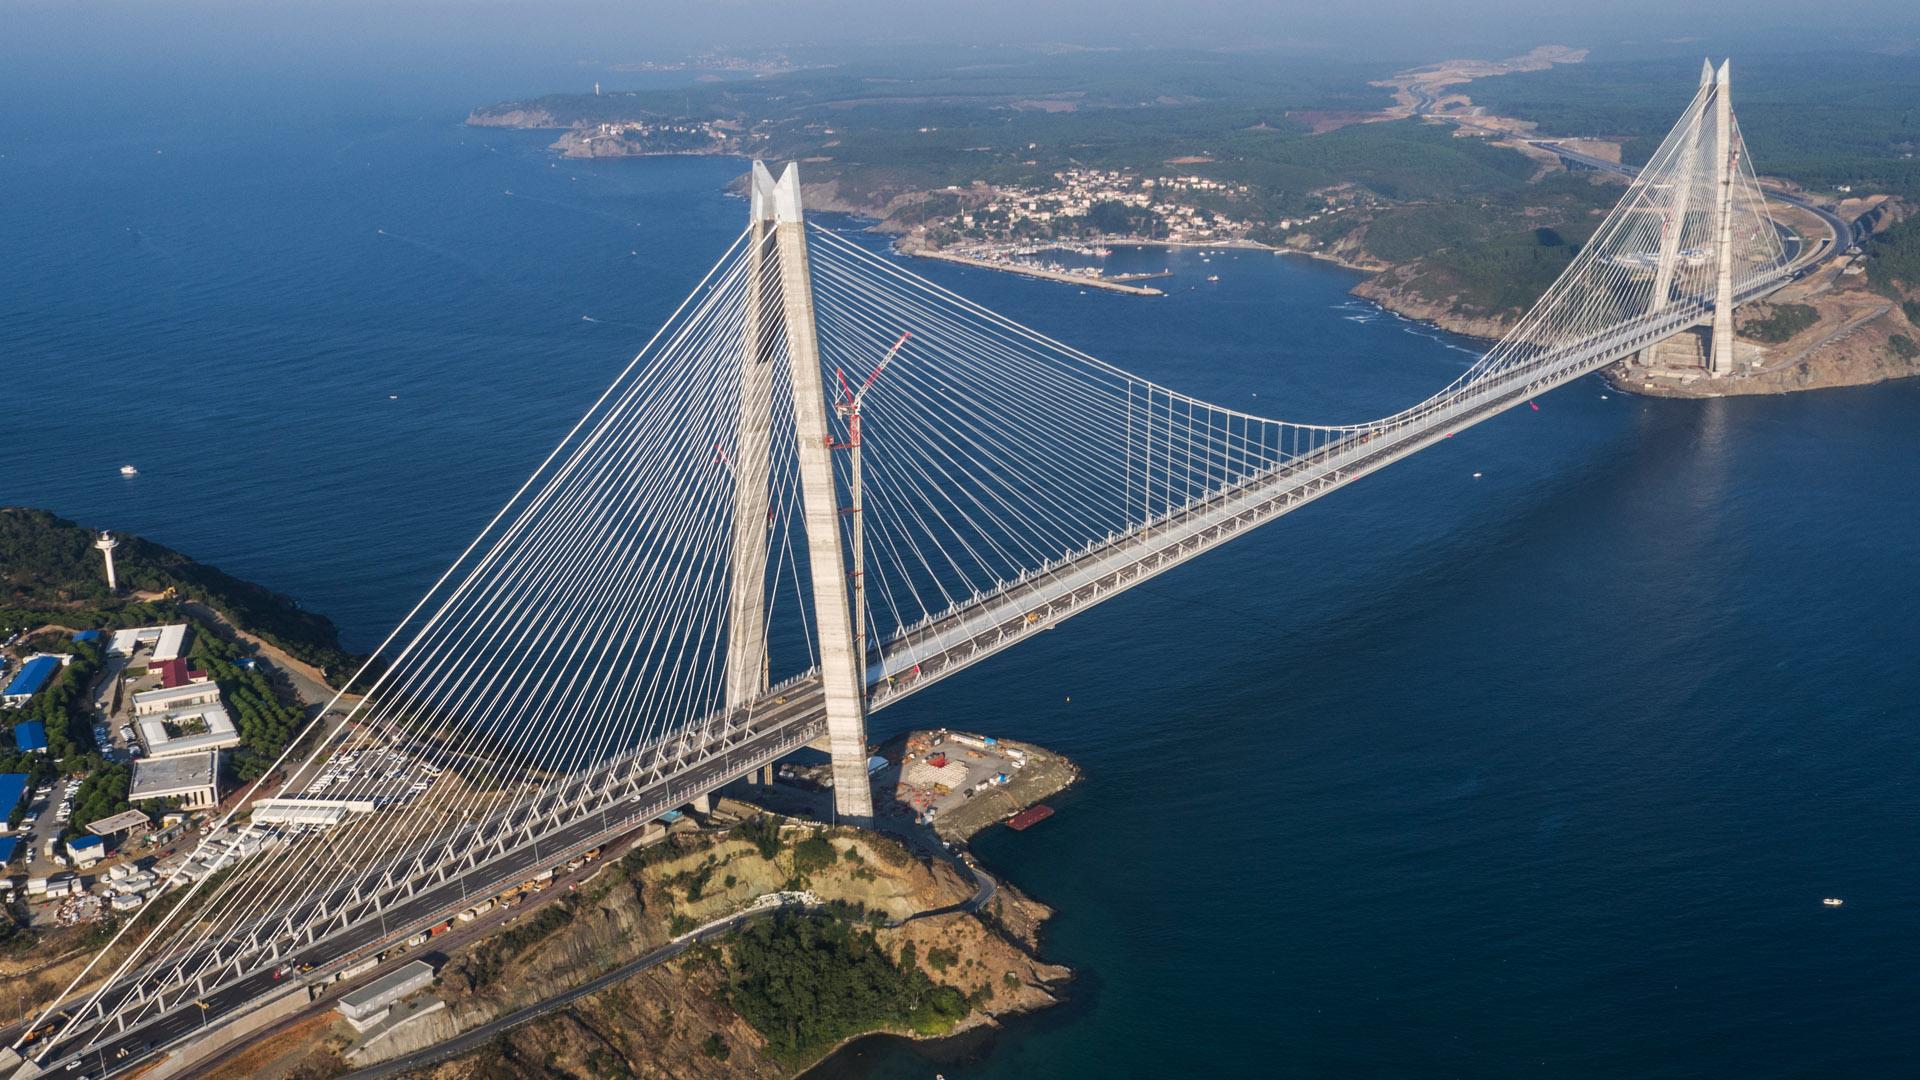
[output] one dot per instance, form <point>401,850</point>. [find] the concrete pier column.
<point>1720,360</point>
<point>747,602</point>
<point>841,676</point>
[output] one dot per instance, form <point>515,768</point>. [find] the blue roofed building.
<point>87,850</point>
<point>13,786</point>
<point>32,677</point>
<point>8,845</point>
<point>30,735</point>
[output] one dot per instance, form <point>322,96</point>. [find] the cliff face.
<point>513,118</point>
<point>1390,291</point>
<point>676,1019</point>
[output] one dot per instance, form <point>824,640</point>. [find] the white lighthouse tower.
<point>106,544</point>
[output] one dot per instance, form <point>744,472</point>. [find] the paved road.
<point>985,886</point>
<point>794,715</point>
<point>791,722</point>
<point>480,1036</point>
<point>1844,232</point>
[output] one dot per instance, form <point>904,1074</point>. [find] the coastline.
<point>1036,272</point>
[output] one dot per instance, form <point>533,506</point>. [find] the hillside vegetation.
<point>51,573</point>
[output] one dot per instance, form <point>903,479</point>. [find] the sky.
<point>298,58</point>
<point>551,32</point>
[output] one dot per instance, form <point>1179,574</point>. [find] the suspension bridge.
<point>824,485</point>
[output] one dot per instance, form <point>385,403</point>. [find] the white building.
<point>169,698</point>
<point>194,779</point>
<point>309,811</point>
<point>367,1006</point>
<point>201,728</point>
<point>169,642</point>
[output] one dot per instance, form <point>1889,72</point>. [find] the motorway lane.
<point>800,708</point>
<point>790,720</point>
<point>1840,227</point>
<point>469,1040</point>
<point>797,713</point>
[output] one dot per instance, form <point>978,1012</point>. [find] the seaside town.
<point>163,730</point>
<point>1087,212</point>
<point>135,748</point>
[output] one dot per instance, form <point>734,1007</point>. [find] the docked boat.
<point>1028,818</point>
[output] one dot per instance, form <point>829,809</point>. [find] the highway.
<point>1845,233</point>
<point>480,1036</point>
<point>609,801</point>
<point>417,889</point>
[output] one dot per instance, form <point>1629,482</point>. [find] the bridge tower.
<point>1679,204</point>
<point>780,308</point>
<point>1720,358</point>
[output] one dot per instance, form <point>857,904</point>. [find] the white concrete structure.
<point>309,811</point>
<point>121,822</point>
<point>194,779</point>
<point>214,730</point>
<point>106,544</point>
<point>172,698</point>
<point>367,1006</point>
<point>169,642</point>
<point>1725,164</point>
<point>842,670</point>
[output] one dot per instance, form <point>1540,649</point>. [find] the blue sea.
<point>1532,756</point>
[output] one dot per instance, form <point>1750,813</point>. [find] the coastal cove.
<point>1537,749</point>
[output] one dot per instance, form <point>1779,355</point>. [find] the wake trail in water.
<point>474,269</point>
<point>604,215</point>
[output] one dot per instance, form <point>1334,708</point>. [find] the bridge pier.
<point>842,671</point>
<point>1720,361</point>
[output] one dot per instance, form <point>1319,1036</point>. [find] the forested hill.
<point>50,571</point>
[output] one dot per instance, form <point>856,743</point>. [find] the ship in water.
<point>1028,818</point>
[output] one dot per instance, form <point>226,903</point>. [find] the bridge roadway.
<point>622,795</point>
<point>1837,225</point>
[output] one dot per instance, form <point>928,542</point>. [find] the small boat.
<point>1476,476</point>
<point>1213,277</point>
<point>1833,901</point>
<point>128,470</point>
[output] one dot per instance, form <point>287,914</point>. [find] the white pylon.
<point>789,316</point>
<point>747,606</point>
<point>106,544</point>
<point>1720,359</point>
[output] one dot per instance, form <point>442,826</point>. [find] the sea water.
<point>1532,755</point>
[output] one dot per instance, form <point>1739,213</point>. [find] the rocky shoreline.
<point>1862,338</point>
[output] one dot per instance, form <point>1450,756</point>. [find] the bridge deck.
<point>428,885</point>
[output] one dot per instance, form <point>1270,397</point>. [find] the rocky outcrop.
<point>510,117</point>
<point>1389,290</point>
<point>674,1019</point>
